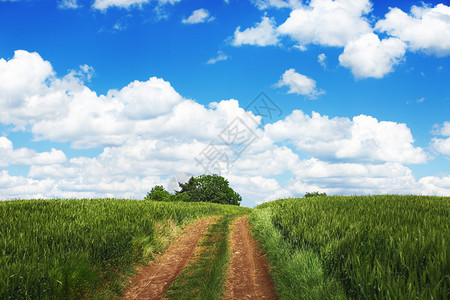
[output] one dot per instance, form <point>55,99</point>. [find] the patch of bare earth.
<point>248,275</point>
<point>153,280</point>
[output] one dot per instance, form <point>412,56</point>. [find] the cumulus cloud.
<point>425,29</point>
<point>66,110</point>
<point>328,22</point>
<point>432,185</point>
<point>220,57</point>
<point>198,16</point>
<point>441,146</point>
<point>146,134</point>
<point>263,34</point>
<point>361,139</point>
<point>23,75</point>
<point>370,57</point>
<point>299,84</point>
<point>352,178</point>
<point>25,156</point>
<point>345,24</point>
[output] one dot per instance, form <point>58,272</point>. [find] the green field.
<point>373,247</point>
<point>79,248</point>
<point>355,247</point>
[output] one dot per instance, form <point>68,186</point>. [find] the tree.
<point>314,194</point>
<point>210,188</point>
<point>158,193</point>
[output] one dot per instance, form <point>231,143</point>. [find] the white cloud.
<point>322,60</point>
<point>68,4</point>
<point>49,158</point>
<point>105,4</point>
<point>257,188</point>
<point>66,110</point>
<point>362,139</point>
<point>432,185</point>
<point>328,22</point>
<point>263,34</point>
<point>370,57</point>
<point>352,178</point>
<point>12,187</point>
<point>220,56</point>
<point>198,16</point>
<point>346,23</point>
<point>23,75</point>
<point>445,130</point>
<point>426,29</point>
<point>299,84</point>
<point>442,130</point>
<point>441,146</point>
<point>266,4</point>
<point>301,47</point>
<point>267,161</point>
<point>25,156</point>
<point>144,100</point>
<point>147,133</point>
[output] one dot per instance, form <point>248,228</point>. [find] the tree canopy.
<point>203,188</point>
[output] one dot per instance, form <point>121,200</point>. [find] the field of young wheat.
<point>74,248</point>
<point>374,247</point>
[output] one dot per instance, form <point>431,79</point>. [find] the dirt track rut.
<point>248,276</point>
<point>152,281</point>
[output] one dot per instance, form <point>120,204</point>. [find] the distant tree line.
<point>203,188</point>
<point>314,194</point>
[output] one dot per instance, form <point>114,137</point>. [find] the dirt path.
<point>248,276</point>
<point>153,280</point>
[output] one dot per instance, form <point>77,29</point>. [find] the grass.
<point>298,274</point>
<point>375,247</point>
<point>204,278</point>
<point>81,248</point>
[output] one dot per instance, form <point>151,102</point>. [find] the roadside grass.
<point>58,249</point>
<point>297,274</point>
<point>204,278</point>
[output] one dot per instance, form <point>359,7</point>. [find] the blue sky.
<point>111,97</point>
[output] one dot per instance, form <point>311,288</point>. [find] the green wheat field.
<point>326,247</point>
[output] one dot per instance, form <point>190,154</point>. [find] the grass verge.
<point>204,278</point>
<point>298,274</point>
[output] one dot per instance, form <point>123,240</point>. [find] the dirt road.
<point>152,281</point>
<point>248,276</point>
